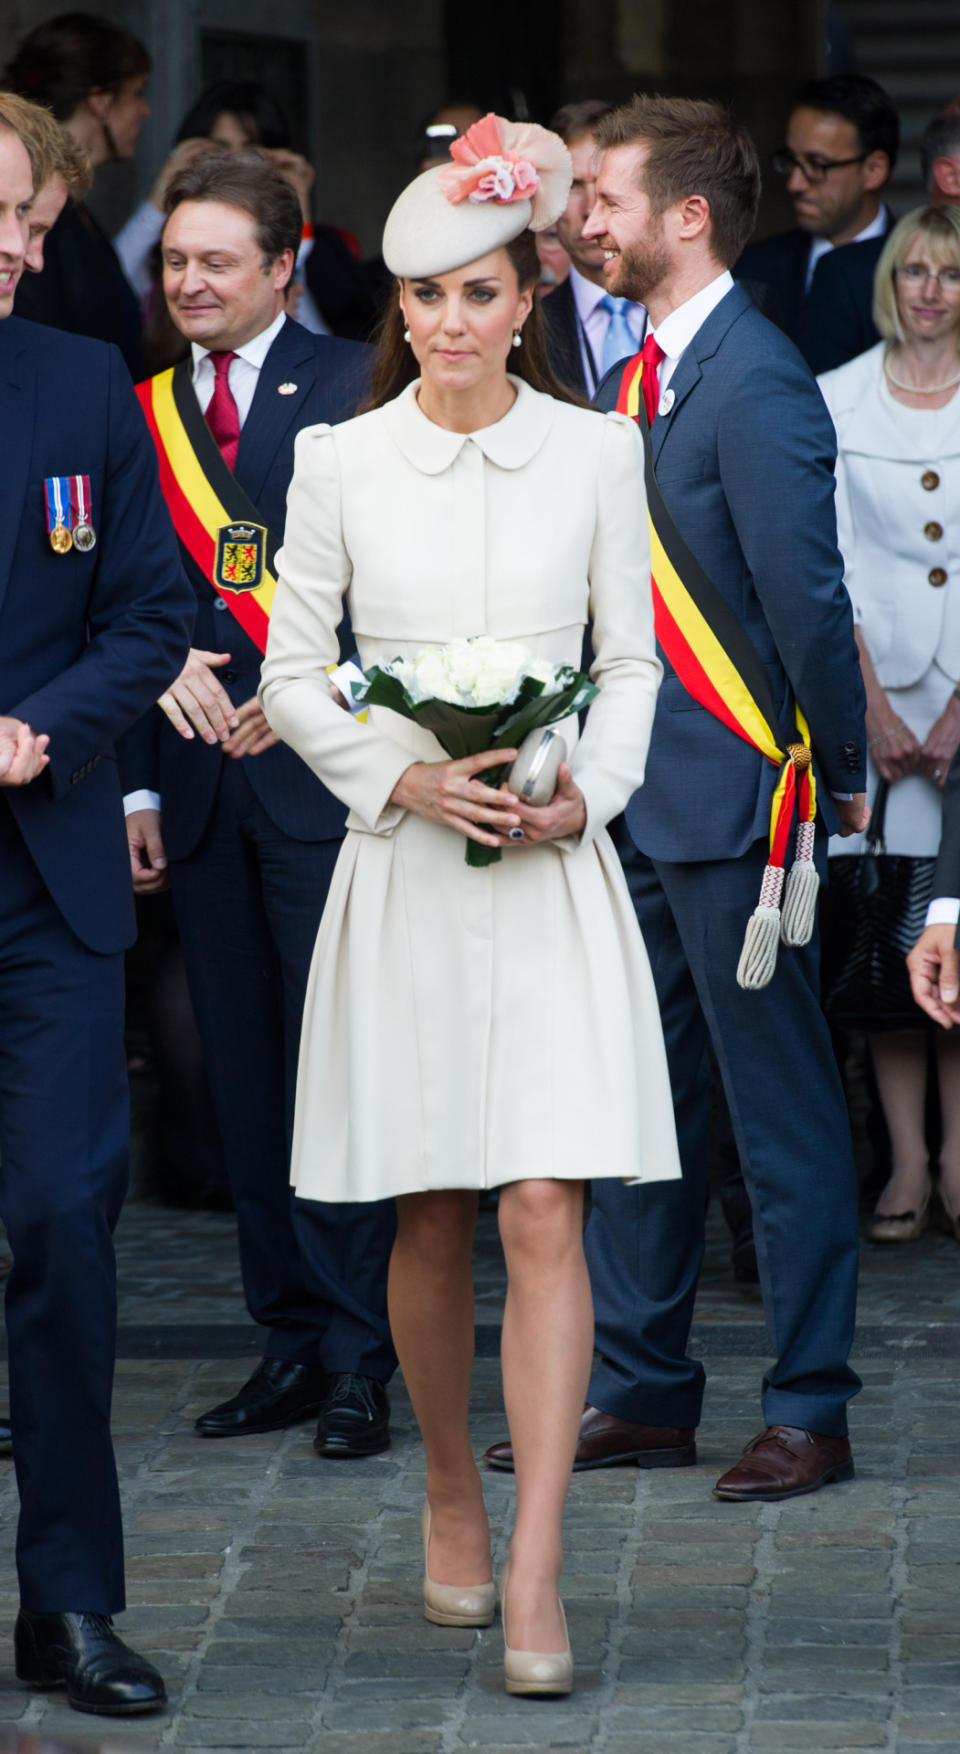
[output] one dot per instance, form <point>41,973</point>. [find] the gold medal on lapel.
<point>61,540</point>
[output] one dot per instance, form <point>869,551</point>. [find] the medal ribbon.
<point>56,490</point>
<point>709,650</point>
<point>80,499</point>
<point>202,494</point>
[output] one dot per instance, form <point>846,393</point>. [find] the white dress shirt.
<point>244,372</point>
<point>593,322</point>
<point>822,246</point>
<point>676,332</point>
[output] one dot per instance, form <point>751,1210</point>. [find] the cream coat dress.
<point>467,1027</point>
<point>898,492</point>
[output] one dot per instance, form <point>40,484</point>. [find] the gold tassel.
<point>758,958</point>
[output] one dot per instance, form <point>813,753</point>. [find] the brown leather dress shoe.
<point>606,1442</point>
<point>786,1461</point>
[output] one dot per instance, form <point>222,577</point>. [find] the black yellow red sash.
<point>218,524</point>
<point>718,664</point>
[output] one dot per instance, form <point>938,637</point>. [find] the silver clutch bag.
<point>533,776</point>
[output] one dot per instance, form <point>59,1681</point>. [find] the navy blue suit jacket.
<point>836,322</point>
<point>780,264</point>
<point>331,378</point>
<point>561,332</point>
<point>745,462</point>
<point>86,640</point>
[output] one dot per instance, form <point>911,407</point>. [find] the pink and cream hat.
<point>505,176</point>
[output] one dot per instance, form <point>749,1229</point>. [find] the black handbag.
<point>872,913</point>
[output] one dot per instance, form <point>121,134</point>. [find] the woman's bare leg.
<point>547,1350</point>
<point>430,1297</point>
<point>900,1063</point>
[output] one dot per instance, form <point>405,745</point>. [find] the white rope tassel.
<point>802,892</point>
<point>758,958</point>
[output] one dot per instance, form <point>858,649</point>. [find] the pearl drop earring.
<point>517,338</point>
<point>406,335</point>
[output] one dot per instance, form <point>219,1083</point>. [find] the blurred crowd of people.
<point>233,844</point>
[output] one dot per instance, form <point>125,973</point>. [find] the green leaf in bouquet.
<point>540,710</point>
<point>478,855</point>
<point>462,730</point>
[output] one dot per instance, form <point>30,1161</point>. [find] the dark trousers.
<point>63,1164</point>
<point>645,1245</point>
<point>248,904</point>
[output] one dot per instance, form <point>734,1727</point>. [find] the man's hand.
<point>148,860</point>
<point>935,975</point>
<point>199,698</point>
<point>854,814</point>
<point>253,734</point>
<point>23,754</point>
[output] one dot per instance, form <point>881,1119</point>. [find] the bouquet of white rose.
<point>477,694</point>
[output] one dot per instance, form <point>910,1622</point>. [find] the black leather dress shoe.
<point>6,1438</point>
<point>356,1418</point>
<point>82,1651</point>
<point>277,1395</point>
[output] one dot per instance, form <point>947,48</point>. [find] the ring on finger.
<point>515,833</point>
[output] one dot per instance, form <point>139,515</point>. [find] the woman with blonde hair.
<point>471,1028</point>
<point>897,414</point>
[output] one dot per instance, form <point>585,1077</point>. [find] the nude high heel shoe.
<point>454,1604</point>
<point>548,1673</point>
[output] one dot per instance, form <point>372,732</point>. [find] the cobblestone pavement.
<point>279,1593</point>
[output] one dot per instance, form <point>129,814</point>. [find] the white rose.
<point>544,672</point>
<point>430,675</point>
<point>498,671</point>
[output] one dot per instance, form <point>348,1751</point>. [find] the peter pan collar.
<point>509,443</point>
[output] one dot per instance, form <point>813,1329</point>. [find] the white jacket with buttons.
<point>898,520</point>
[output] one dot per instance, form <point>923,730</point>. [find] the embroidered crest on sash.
<point>239,563</point>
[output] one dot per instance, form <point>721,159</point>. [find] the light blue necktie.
<point>619,342</point>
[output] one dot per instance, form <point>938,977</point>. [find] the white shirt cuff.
<point>944,910</point>
<point>842,797</point>
<point>341,676</point>
<point>142,800</point>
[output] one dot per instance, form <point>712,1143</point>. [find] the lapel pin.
<point>286,389</point>
<point>666,402</point>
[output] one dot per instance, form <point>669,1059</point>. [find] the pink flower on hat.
<point>485,168</point>
<point>496,179</point>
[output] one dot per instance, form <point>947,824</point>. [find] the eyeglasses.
<point>816,170</point>
<point>917,274</point>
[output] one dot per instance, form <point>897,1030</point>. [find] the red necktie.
<point>223,418</point>
<point>651,353</point>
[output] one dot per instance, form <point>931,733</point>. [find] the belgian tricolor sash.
<point>720,667</point>
<point>219,526</point>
